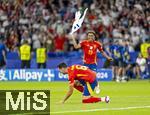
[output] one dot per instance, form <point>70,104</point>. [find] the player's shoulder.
<point>75,66</point>
<point>72,67</point>
<point>83,43</point>
<point>98,43</point>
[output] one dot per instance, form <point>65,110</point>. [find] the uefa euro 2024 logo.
<point>2,75</point>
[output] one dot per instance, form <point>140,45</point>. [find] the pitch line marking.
<point>92,110</point>
<point>104,109</point>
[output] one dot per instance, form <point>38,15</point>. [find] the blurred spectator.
<point>113,51</point>
<point>106,19</point>
<point>25,54</point>
<point>25,36</point>
<point>59,42</point>
<point>136,41</point>
<point>123,19</point>
<point>2,55</point>
<point>41,56</point>
<point>12,41</point>
<point>141,66</point>
<point>49,42</point>
<point>148,61</point>
<point>144,46</point>
<point>123,58</point>
<point>36,41</point>
<point>135,29</point>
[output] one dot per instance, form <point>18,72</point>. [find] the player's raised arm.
<point>75,44</point>
<point>69,93</point>
<point>79,18</point>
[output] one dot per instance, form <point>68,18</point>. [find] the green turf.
<point>123,95</point>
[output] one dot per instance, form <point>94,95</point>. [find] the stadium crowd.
<point>48,22</point>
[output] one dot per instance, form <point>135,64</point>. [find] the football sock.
<point>91,100</point>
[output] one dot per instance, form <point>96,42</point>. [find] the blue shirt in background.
<point>114,48</point>
<point>124,53</point>
<point>2,48</point>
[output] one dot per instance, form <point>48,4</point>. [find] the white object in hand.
<point>78,21</point>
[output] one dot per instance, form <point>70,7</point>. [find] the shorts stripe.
<point>90,89</point>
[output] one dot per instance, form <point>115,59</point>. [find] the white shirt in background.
<point>142,63</point>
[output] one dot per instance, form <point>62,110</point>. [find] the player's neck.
<point>90,40</point>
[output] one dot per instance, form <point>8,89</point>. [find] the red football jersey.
<point>90,51</point>
<point>78,72</point>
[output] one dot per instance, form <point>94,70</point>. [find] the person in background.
<point>113,51</point>
<point>59,42</point>
<point>131,63</point>
<point>123,58</point>
<point>41,56</point>
<point>148,61</point>
<point>144,48</point>
<point>141,66</point>
<point>25,54</point>
<point>2,55</point>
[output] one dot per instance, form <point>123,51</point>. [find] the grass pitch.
<point>131,98</point>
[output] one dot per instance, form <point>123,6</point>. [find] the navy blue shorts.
<point>91,66</point>
<point>88,87</point>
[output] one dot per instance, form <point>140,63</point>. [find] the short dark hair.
<point>25,41</point>
<point>93,32</point>
<point>62,65</point>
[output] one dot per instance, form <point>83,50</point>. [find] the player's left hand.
<point>110,59</point>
